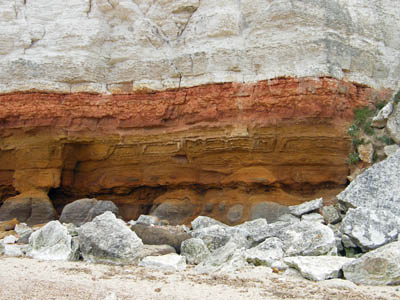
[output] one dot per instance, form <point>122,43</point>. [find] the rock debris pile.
<point>355,239</point>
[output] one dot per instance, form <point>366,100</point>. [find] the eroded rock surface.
<point>224,104</point>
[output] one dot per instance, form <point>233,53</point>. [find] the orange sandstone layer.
<point>281,140</point>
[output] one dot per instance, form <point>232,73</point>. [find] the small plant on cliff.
<point>353,158</point>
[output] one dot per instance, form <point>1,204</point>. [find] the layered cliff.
<point>207,107</point>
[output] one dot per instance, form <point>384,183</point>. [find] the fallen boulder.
<point>195,251</point>
<point>225,259</point>
<point>306,207</point>
<point>266,253</point>
<point>52,242</point>
<point>31,208</point>
<point>85,210</point>
<point>318,268</point>
<point>107,239</point>
<point>203,222</point>
<point>377,187</point>
<point>308,239</point>
<point>24,232</point>
<point>378,267</point>
<point>161,235</point>
<point>370,229</point>
<point>8,225</point>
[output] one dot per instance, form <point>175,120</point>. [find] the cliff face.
<point>215,106</point>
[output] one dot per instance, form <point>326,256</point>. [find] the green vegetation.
<point>380,105</point>
<point>353,158</point>
<point>385,139</point>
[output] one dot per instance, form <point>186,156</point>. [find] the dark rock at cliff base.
<point>85,210</point>
<point>31,208</point>
<point>270,211</point>
<point>166,235</point>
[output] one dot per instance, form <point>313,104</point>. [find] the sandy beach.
<point>25,278</point>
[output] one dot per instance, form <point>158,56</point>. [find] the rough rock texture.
<point>268,210</point>
<point>222,102</point>
<point>318,267</point>
<point>266,253</point>
<point>195,251</point>
<point>378,267</point>
<point>307,207</point>
<point>109,240</point>
<point>52,242</point>
<point>167,263</point>
<point>225,259</point>
<point>370,228</point>
<point>377,187</point>
<point>24,232</point>
<point>203,222</point>
<point>331,214</point>
<point>85,210</point>
<point>308,239</point>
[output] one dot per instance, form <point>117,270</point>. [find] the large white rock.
<point>266,253</point>
<point>95,46</point>
<point>52,242</point>
<point>308,239</point>
<point>318,268</point>
<point>226,259</point>
<point>370,229</point>
<point>378,267</point>
<point>169,262</point>
<point>109,240</point>
<point>377,187</point>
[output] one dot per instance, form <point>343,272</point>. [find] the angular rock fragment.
<point>107,239</point>
<point>203,222</point>
<point>308,239</point>
<point>306,207</point>
<point>370,229</point>
<point>331,214</point>
<point>227,258</point>
<point>195,251</point>
<point>380,119</point>
<point>377,187</point>
<point>217,236</point>
<point>266,253</point>
<point>313,217</point>
<point>167,263</point>
<point>24,232</point>
<point>378,267</point>
<point>318,268</point>
<point>52,242</point>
